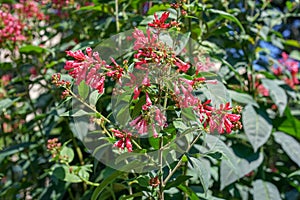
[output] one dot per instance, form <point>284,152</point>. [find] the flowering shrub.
<point>154,100</point>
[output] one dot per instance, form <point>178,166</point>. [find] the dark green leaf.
<point>178,180</point>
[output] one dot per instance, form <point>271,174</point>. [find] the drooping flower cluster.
<point>91,69</point>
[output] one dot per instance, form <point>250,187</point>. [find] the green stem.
<point>180,161</point>
<point>89,106</point>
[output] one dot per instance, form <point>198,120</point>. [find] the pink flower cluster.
<point>288,64</point>
<point>14,22</point>
<point>29,9</point>
<point>91,69</point>
<point>11,28</point>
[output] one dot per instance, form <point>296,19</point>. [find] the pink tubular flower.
<point>182,66</point>
<point>86,68</point>
<point>203,66</point>
<point>140,124</point>
<point>155,134</point>
<point>160,118</point>
<point>124,140</point>
<point>148,102</point>
<point>160,23</point>
<point>141,41</point>
<point>136,92</point>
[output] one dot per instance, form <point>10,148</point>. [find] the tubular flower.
<point>142,41</point>
<point>124,140</point>
<point>160,118</point>
<point>86,68</point>
<point>222,121</point>
<point>205,112</point>
<point>182,66</point>
<point>148,102</point>
<point>160,23</point>
<point>140,124</point>
<point>155,134</point>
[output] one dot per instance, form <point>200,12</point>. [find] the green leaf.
<point>143,181</point>
<point>246,165</point>
<point>31,49</point>
<point>68,153</point>
<point>72,113</point>
<point>257,128</point>
<point>293,43</point>
<point>190,193</point>
<point>215,144</point>
<point>131,197</point>
<point>228,16</point>
<point>291,127</point>
<point>4,104</point>
<point>158,7</point>
<point>217,93</point>
<point>83,90</point>
<point>178,180</point>
<point>277,94</point>
<point>112,178</point>
<point>295,173</point>
<point>62,172</point>
<point>295,55</point>
<point>179,125</point>
<point>202,167</point>
<point>242,98</point>
<point>94,96</point>
<point>265,190</point>
<point>84,174</point>
<point>289,145</point>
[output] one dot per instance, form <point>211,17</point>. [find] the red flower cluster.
<point>288,64</point>
<point>124,140</point>
<point>220,119</point>
<point>160,23</point>
<point>88,68</point>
